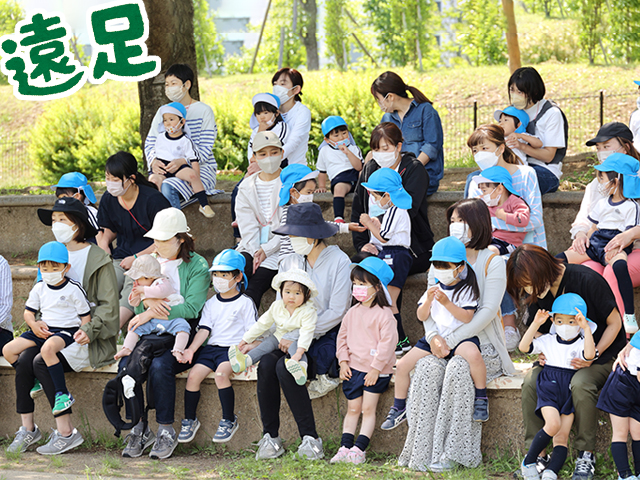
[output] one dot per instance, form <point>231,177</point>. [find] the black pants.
<point>421,263</point>
<point>30,365</point>
<point>272,375</point>
<point>5,337</point>
<point>259,282</point>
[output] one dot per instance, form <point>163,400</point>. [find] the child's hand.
<point>41,330</point>
<point>371,378</point>
<point>356,227</point>
<point>321,189</point>
<point>442,298</point>
<point>501,214</point>
<point>187,356</point>
<point>431,292</point>
<point>512,141</point>
<point>541,317</point>
<point>345,371</point>
<point>179,356</point>
<point>581,320</point>
<point>343,148</point>
<point>365,220</point>
<point>138,290</point>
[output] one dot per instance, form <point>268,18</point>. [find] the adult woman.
<point>329,269</point>
<point>178,80</point>
<point>535,276</point>
<point>188,273</point>
<point>546,121</point>
<point>612,137</point>
<point>418,120</point>
<point>441,430</point>
<point>95,342</point>
<point>126,213</point>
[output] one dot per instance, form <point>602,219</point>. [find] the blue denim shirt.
<point>422,132</point>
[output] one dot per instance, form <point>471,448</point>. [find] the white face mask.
<point>52,278</point>
<point>567,332</point>
<point>269,164</point>
<point>301,246</point>
<point>603,188</point>
<point>305,198</point>
<point>460,230</point>
<point>222,285</point>
<point>604,154</point>
<point>282,93</point>
<point>168,251</point>
<point>385,159</point>
<point>116,188</point>
<point>173,129</point>
<point>446,277</point>
<point>175,93</point>
<point>491,202</point>
<point>64,233</point>
<point>386,206</point>
<point>485,159</point>
<point>519,101</point>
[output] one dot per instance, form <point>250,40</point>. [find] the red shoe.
<point>338,220</point>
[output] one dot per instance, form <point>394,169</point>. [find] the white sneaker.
<point>512,337</point>
<point>322,385</point>
<point>311,448</point>
<point>630,324</point>
<point>269,447</point>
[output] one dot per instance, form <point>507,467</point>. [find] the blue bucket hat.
<point>514,112</point>
<point>292,174</point>
<point>332,122</point>
<point>377,267</point>
<point>637,82</point>
<point>53,252</point>
<point>635,340</point>
<point>390,181</point>
<point>175,108</point>
<point>496,174</point>
<point>229,260</point>
<point>449,249</point>
<point>566,305</point>
<point>305,220</point>
<point>269,98</point>
<point>76,180</point>
<point>628,167</point>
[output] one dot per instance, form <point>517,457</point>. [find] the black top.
<point>130,233</point>
<point>415,180</point>
<point>597,294</point>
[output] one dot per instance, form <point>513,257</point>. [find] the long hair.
<point>123,165</point>
<point>390,82</point>
<point>494,134</point>
<point>469,282</point>
<point>380,298</point>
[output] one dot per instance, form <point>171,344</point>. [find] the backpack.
<point>531,129</point>
<point>126,388</point>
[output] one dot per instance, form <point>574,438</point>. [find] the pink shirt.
<point>368,338</point>
<point>518,214</point>
<point>160,288</point>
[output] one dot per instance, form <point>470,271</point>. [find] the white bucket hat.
<point>294,275</point>
<point>145,266</point>
<point>167,224</point>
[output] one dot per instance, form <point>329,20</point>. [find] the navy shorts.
<point>65,333</point>
<point>424,345</point>
<point>171,175</point>
<point>505,248</point>
<point>211,356</point>
<point>598,241</point>
<point>400,260</point>
<point>348,176</point>
<point>354,387</point>
<point>554,390</point>
<point>620,396</point>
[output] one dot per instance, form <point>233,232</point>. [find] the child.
<point>294,312</point>
<point>266,116</point>
<point>176,144</point>
<point>618,177</point>
<point>225,318</point>
<point>74,184</point>
<point>620,398</point>
<point>341,162</point>
<point>503,202</point>
<point>392,238</point>
<point>572,338</point>
<point>514,122</point>
<point>451,303</point>
<point>63,307</point>
<point>365,350</point>
<point>149,282</point>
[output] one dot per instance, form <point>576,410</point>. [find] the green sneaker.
<point>37,390</point>
<point>237,359</point>
<point>63,403</point>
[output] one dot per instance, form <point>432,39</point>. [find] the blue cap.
<point>332,122</point>
<point>390,181</point>
<point>449,249</point>
<point>637,82</point>
<point>53,252</point>
<point>628,167</point>
<point>496,174</point>
<point>229,260</point>
<point>514,112</point>
<point>76,180</point>
<point>269,98</point>
<point>635,340</point>
<point>566,305</point>
<point>292,174</point>
<point>179,107</point>
<point>376,267</point>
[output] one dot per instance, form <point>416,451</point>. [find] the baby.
<point>514,123</point>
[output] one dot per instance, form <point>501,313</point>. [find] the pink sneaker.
<point>356,456</point>
<point>341,456</point>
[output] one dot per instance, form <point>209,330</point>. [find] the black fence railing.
<point>15,167</point>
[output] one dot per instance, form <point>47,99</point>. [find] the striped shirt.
<point>6,295</point>
<point>395,228</point>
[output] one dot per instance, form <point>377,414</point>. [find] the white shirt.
<point>334,162</point>
<point>633,361</point>
<point>299,124</point>
<point>549,129</point>
<point>634,125</point>
<point>395,227</point>
<point>265,194</point>
<point>60,307</point>
<point>169,268</point>
<point>168,148</point>
<point>78,261</point>
<point>228,320</point>
<point>445,322</point>
<point>558,352</point>
<point>615,216</point>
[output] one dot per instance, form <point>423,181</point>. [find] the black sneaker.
<point>403,346</point>
<point>585,466</point>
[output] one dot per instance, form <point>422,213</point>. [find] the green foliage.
<point>336,32</point>
<point>81,131</point>
<point>624,35</point>
<point>480,32</point>
<point>591,26</point>
<point>10,14</point>
<point>343,20</point>
<point>209,49</point>
<point>549,39</point>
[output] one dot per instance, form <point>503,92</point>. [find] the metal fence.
<point>15,167</point>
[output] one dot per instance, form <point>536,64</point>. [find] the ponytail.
<point>418,95</point>
<point>124,165</point>
<point>390,82</point>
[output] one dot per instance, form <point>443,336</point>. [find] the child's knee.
<point>369,410</point>
<point>404,365</point>
<point>552,426</point>
<point>470,352</point>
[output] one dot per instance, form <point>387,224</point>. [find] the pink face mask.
<point>361,293</point>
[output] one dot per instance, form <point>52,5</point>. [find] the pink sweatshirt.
<point>518,214</point>
<point>368,338</point>
<point>160,288</point>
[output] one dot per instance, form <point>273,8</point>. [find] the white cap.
<point>167,224</point>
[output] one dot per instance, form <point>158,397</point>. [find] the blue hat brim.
<point>637,82</point>
<point>635,341</point>
<point>285,190</point>
<point>401,199</point>
<point>227,268</point>
<point>383,281</point>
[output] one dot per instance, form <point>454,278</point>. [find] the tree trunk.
<point>309,39</point>
<point>513,48</point>
<point>171,38</point>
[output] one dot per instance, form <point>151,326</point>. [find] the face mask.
<point>486,159</point>
<point>346,142</point>
<point>385,159</point>
<point>270,164</point>
<point>305,198</point>
<point>381,104</point>
<point>491,202</point>
<point>460,230</point>
<point>172,130</point>
<point>169,251</point>
<point>64,233</point>
<point>361,293</point>
<point>603,188</point>
<point>446,277</point>
<point>52,278</point>
<point>519,101</point>
<point>603,155</point>
<point>567,332</point>
<point>282,93</point>
<point>222,285</point>
<point>384,207</point>
<point>176,92</point>
<point>301,246</point>
<point>116,188</point>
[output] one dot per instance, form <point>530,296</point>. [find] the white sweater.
<point>298,121</point>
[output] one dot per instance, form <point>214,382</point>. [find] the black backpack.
<point>531,129</point>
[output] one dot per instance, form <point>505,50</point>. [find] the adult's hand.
<point>370,248</point>
<point>127,262</point>
<point>580,243</point>
<point>158,308</point>
<point>285,344</point>
<point>247,347</point>
<point>81,337</point>
<point>579,363</point>
<point>439,347</point>
<point>158,167</point>
<point>258,258</point>
<point>621,241</point>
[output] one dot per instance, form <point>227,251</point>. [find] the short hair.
<point>531,265</point>
<point>81,233</point>
<point>362,275</point>
<point>260,107</point>
<point>294,75</point>
<point>305,290</point>
<point>303,183</point>
<point>387,130</point>
<point>338,129</point>
<point>475,213</point>
<point>181,71</point>
<point>52,263</point>
<point>529,82</point>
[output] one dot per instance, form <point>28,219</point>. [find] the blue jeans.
<point>171,194</point>
<point>547,181</point>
